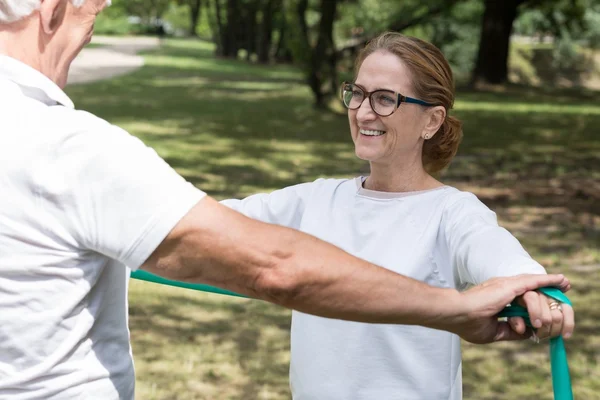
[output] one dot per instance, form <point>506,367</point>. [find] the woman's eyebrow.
<point>377,88</point>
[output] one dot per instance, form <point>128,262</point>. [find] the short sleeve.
<point>478,247</point>
<point>282,207</point>
<point>112,194</point>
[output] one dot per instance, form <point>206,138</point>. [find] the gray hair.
<point>14,10</point>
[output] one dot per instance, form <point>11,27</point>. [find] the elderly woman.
<point>402,218</point>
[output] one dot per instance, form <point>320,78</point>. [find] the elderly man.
<point>80,199</point>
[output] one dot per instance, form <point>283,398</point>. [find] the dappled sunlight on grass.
<point>527,107</point>
<point>234,129</point>
<point>191,345</point>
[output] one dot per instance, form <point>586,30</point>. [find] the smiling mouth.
<point>369,132</point>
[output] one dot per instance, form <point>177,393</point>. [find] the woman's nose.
<point>365,111</point>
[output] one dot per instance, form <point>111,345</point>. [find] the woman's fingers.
<point>548,316</point>
<point>517,324</point>
<point>568,321</point>
<point>557,317</point>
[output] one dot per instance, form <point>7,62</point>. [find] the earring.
<point>426,136</point>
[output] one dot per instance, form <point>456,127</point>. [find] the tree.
<point>558,16</point>
<point>318,60</point>
<point>228,28</point>
<point>406,15</point>
<point>283,52</point>
<point>265,36</point>
<point>491,65</point>
<point>195,7</point>
<point>249,33</point>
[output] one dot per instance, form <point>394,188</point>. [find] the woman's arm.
<point>283,207</point>
<point>481,250</point>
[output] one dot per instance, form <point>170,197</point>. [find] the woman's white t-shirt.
<point>444,237</point>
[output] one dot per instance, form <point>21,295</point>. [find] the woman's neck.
<point>397,178</point>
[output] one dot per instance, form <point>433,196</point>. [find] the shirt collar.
<point>33,83</point>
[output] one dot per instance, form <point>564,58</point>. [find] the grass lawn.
<point>235,129</point>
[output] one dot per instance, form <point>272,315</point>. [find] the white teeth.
<point>371,133</point>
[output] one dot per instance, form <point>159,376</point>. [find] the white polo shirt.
<point>79,200</point>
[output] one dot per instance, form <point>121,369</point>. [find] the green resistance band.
<point>149,277</point>
<point>561,380</point>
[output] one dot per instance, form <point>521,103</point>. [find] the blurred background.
<point>240,96</point>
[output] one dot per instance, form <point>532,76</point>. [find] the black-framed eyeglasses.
<point>383,102</point>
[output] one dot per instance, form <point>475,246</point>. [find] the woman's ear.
<point>52,13</point>
<point>435,119</point>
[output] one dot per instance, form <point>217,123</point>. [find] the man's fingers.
<point>565,286</point>
<point>568,321</point>
<point>531,301</point>
<point>526,283</point>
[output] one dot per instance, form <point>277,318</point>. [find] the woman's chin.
<point>365,155</point>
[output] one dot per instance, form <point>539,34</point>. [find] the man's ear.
<point>52,13</point>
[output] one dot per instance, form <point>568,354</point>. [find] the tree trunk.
<point>220,36</point>
<point>249,37</point>
<point>230,36</point>
<point>282,51</point>
<point>301,12</point>
<point>195,7</point>
<point>322,51</point>
<point>494,44</point>
<point>266,33</point>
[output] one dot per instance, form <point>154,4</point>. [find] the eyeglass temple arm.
<point>412,100</point>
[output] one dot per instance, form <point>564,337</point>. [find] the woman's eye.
<point>385,100</point>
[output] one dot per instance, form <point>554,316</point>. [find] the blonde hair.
<point>15,10</point>
<point>432,82</point>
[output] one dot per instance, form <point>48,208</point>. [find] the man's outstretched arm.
<point>215,245</point>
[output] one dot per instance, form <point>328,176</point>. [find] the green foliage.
<point>562,63</point>
<point>457,35</point>
<point>567,26</point>
<point>556,18</point>
<point>591,33</point>
<point>147,10</point>
<point>369,16</point>
<point>117,25</point>
<point>178,18</point>
<point>113,21</point>
<point>295,40</point>
<point>204,29</point>
<point>565,54</point>
<point>454,29</point>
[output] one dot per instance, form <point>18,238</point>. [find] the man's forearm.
<point>220,247</point>
<point>327,281</point>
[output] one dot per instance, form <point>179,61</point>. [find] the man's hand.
<point>485,301</point>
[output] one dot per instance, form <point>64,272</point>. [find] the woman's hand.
<point>549,317</point>
<point>479,323</point>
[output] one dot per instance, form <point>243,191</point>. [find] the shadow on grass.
<point>251,334</point>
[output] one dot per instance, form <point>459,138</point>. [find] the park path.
<point>115,56</point>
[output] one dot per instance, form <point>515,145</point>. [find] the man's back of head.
<point>47,34</point>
